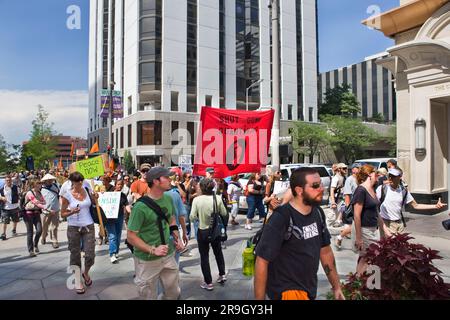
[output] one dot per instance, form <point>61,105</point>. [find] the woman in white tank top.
<point>80,230</point>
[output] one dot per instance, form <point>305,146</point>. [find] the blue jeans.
<point>255,202</point>
<point>114,228</point>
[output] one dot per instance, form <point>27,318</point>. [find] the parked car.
<point>376,162</point>
<point>286,171</point>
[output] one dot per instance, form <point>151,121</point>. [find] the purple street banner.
<point>117,104</point>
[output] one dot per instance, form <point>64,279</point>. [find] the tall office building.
<point>372,84</point>
<point>171,57</point>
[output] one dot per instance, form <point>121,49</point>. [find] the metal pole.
<point>111,87</point>
<point>275,85</point>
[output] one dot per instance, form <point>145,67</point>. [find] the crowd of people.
<point>163,209</point>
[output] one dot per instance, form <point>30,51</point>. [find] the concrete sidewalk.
<point>44,277</point>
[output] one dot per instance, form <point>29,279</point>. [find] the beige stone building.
<point>420,63</point>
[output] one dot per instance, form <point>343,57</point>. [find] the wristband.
<point>173,228</point>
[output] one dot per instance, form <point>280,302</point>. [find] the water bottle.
<point>248,261</point>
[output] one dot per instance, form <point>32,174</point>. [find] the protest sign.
<point>110,203</point>
<point>280,188</point>
<point>90,168</point>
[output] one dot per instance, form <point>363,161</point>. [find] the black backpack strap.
<point>161,216</point>
<point>405,196</point>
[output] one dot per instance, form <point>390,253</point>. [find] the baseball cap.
<point>158,172</point>
<point>395,172</point>
<point>210,170</point>
<point>342,166</point>
<point>356,165</point>
<point>145,166</point>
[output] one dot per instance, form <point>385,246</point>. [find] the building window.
<point>117,138</point>
<point>175,126</point>
<point>191,70</point>
<point>191,130</point>
<point>121,138</point>
<point>104,122</point>
<point>149,133</point>
<point>129,135</point>
<point>112,140</point>
<point>208,101</point>
<point>311,111</point>
<point>174,100</point>
<point>289,111</point>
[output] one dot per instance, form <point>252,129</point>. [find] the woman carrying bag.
<point>203,209</point>
<point>34,204</point>
<point>75,207</point>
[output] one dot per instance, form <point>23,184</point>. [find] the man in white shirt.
<point>393,198</point>
<point>337,196</point>
<point>9,197</point>
<point>50,192</point>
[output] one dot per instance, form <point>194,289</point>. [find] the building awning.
<point>406,17</point>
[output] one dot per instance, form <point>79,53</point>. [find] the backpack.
<point>149,202</point>
<point>291,227</point>
<point>405,195</point>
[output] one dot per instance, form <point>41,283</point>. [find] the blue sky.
<point>38,52</point>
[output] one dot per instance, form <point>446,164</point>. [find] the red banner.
<point>232,141</point>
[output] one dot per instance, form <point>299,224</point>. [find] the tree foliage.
<point>42,145</point>
<point>10,156</point>
<point>308,138</point>
<point>128,162</point>
<point>350,136</point>
<point>340,101</point>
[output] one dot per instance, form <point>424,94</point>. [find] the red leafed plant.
<point>406,270</point>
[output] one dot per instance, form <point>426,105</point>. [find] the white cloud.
<point>68,110</point>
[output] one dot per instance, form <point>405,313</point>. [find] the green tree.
<point>3,155</point>
<point>350,136</point>
<point>128,162</point>
<point>308,138</point>
<point>391,139</point>
<point>340,101</point>
<point>378,118</point>
<point>42,145</point>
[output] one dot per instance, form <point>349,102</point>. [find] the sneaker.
<point>338,244</point>
<point>116,255</point>
<point>3,237</point>
<point>248,226</point>
<point>222,279</point>
<point>14,233</point>
<point>55,245</point>
<point>234,223</point>
<point>208,287</point>
<point>43,241</point>
<point>114,260</point>
<point>32,254</point>
<point>36,250</point>
<point>224,246</point>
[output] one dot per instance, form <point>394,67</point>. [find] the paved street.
<point>44,277</point>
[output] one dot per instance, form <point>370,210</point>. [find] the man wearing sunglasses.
<point>293,242</point>
<point>140,188</point>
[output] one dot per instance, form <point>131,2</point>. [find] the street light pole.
<point>275,84</point>
<point>246,93</point>
<point>111,88</point>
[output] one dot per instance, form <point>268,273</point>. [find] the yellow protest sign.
<point>91,168</point>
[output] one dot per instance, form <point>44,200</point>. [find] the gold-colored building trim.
<point>405,17</point>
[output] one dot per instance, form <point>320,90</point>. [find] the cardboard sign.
<point>110,203</point>
<point>91,168</point>
<point>280,188</point>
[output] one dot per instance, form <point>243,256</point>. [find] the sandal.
<point>87,283</point>
<point>81,290</point>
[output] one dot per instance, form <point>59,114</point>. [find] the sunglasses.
<point>316,185</point>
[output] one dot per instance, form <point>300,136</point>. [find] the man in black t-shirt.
<point>292,243</point>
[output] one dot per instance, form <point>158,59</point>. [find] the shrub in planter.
<point>406,270</point>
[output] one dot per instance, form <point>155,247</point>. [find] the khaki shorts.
<point>368,235</point>
<point>395,227</point>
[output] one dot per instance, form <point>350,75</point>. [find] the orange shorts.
<point>294,295</point>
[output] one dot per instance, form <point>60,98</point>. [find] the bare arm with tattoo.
<point>329,266</point>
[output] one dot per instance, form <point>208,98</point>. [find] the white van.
<point>375,162</point>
